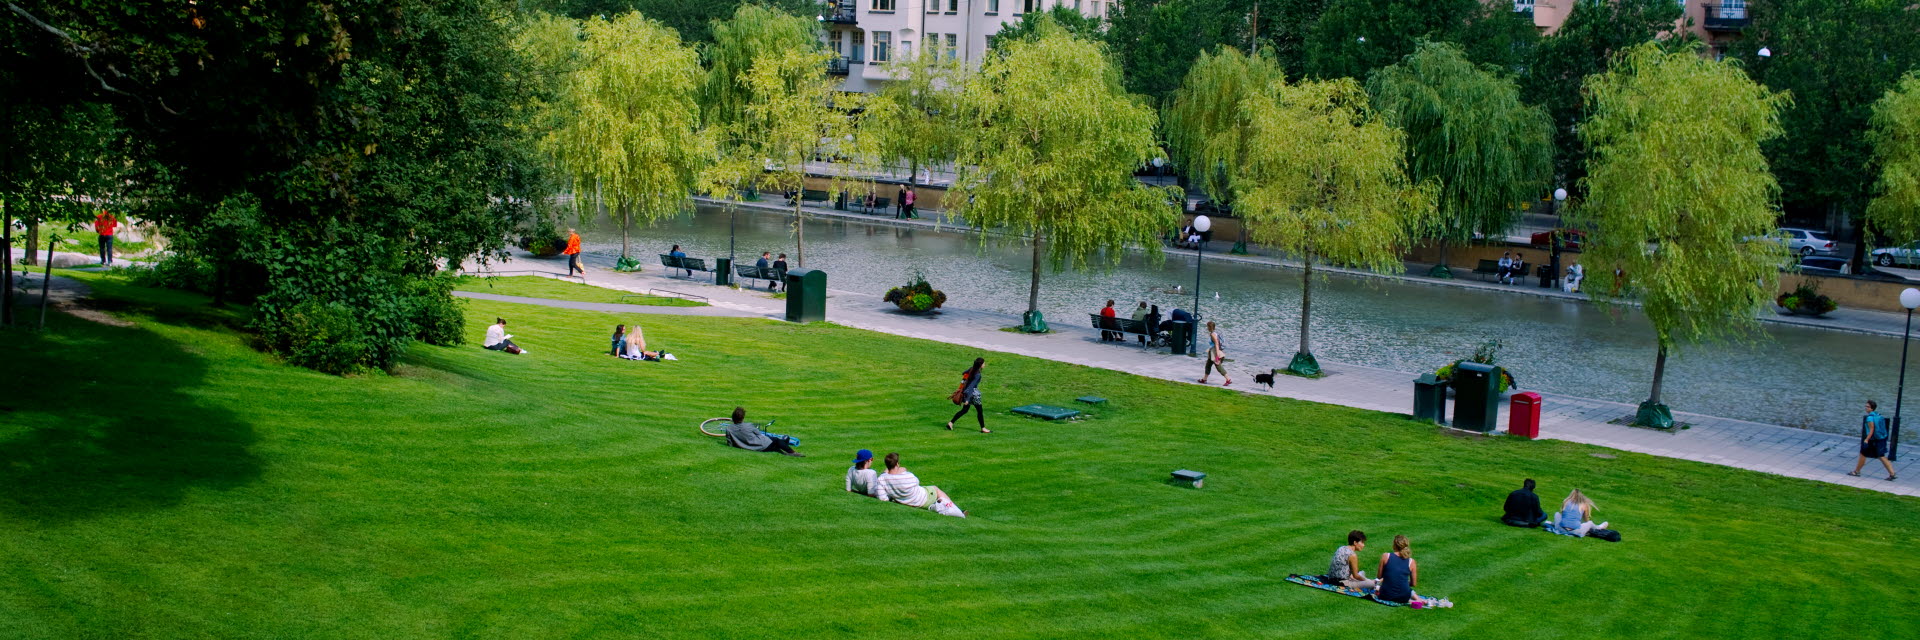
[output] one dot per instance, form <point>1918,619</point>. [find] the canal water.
<point>1794,376</point>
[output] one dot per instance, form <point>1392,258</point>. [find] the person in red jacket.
<point>104,223</point>
<point>573,253</point>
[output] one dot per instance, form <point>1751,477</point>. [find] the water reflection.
<point>1799,377</point>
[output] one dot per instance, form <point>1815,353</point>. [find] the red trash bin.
<point>1523,415</point>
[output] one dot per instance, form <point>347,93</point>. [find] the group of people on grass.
<point>1575,517</point>
<point>631,344</point>
<point>1395,576</point>
<point>897,485</point>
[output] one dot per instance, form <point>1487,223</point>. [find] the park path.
<point>1766,448</point>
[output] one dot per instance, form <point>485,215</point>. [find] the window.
<point>953,46</point>
<point>1733,9</point>
<point>882,45</point>
<point>883,5</point>
<point>1031,6</point>
<point>1523,6</point>
<point>834,41</point>
<point>993,7</point>
<point>933,6</point>
<point>953,6</point>
<point>906,49</point>
<point>859,46</point>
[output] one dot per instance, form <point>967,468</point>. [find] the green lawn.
<point>544,287</point>
<point>173,482</point>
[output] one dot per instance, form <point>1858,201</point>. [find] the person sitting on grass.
<point>1575,517</point>
<point>747,435</point>
<point>1523,507</point>
<point>1345,568</point>
<point>636,347</point>
<point>619,339</point>
<point>1399,574</point>
<point>900,485</point>
<point>499,340</point>
<point>861,478</point>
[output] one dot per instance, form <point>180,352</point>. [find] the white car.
<point>1896,256</point>
<point>1806,242</point>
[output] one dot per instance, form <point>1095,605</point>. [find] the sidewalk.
<point>1849,320</point>
<point>1747,445</point>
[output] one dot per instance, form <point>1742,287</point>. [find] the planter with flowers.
<point>1805,300</point>
<point>916,296</point>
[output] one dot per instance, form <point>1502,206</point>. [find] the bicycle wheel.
<point>716,427</point>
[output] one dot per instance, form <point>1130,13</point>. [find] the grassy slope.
<point>542,287</point>
<point>178,483</point>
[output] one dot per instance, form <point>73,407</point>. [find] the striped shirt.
<point>902,487</point>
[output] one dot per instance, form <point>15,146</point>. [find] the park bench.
<point>815,195</point>
<point>752,272</point>
<point>879,205</point>
<point>1126,327</point>
<point>673,262</point>
<point>1487,268</point>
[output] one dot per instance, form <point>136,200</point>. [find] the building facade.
<point>1715,22</point>
<point>866,35</point>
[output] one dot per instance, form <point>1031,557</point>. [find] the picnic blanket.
<point>1317,583</point>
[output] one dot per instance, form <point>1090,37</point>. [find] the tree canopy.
<point>913,121</point>
<point>753,33</point>
<point>1894,214</point>
<point>1208,127</point>
<point>793,113</point>
<point>1354,37</point>
<point>1585,44</point>
<point>1028,28</point>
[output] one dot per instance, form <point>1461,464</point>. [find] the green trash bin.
<point>806,295</point>
<point>1476,397</point>
<point>1430,399</point>
<point>723,271</point>
<point>1180,337</point>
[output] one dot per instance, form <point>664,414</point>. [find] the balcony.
<point>1727,19</point>
<point>837,66</point>
<point>841,13</point>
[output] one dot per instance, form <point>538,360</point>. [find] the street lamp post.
<point>1553,209</point>
<point>1911,300</point>
<point>1201,224</point>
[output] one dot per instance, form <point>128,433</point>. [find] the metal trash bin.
<point>1523,415</point>
<point>1476,397</point>
<point>806,295</point>
<point>1430,399</point>
<point>723,271</point>
<point>1180,337</point>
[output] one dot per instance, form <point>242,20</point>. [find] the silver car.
<point>1807,242</point>
<point>1896,256</point>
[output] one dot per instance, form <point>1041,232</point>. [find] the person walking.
<point>573,253</point>
<point>909,199</point>
<point>1216,357</point>
<point>900,203</point>
<point>1873,440</point>
<point>968,397</point>
<point>104,224</point>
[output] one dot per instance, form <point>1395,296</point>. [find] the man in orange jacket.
<point>104,224</point>
<point>573,253</point>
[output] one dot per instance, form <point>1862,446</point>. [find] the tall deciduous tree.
<point>628,133</point>
<point>1895,211</point>
<point>739,43</point>
<point>1326,181</point>
<point>692,19</point>
<point>794,115</point>
<point>912,121</point>
<point>1354,37</point>
<point>1469,134</point>
<point>1589,39</point>
<point>1054,145</point>
<point>1676,183</point>
<point>1155,41</point>
<point>1207,128</point>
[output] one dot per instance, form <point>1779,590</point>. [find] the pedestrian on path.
<point>572,252</point>
<point>1216,357</point>
<point>900,203</point>
<point>968,396</point>
<point>1873,440</point>
<point>104,224</point>
<point>909,199</point>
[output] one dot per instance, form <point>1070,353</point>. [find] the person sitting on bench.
<point>499,340</point>
<point>747,435</point>
<point>1523,507</point>
<point>900,485</point>
<point>1575,517</point>
<point>677,253</point>
<point>1345,568</point>
<point>1107,314</point>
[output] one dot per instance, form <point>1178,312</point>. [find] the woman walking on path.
<point>572,252</point>
<point>968,397</point>
<point>1216,355</point>
<point>1873,440</point>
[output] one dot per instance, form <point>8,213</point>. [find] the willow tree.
<point>794,112</point>
<point>1469,134</point>
<point>911,120</point>
<point>1326,181</point>
<point>1053,143</point>
<point>1207,130</point>
<point>739,42</point>
<point>1675,183</point>
<point>1894,213</point>
<point>628,131</point>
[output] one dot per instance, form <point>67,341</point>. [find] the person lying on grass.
<point>900,485</point>
<point>747,435</point>
<point>861,477</point>
<point>1345,568</point>
<point>1575,517</point>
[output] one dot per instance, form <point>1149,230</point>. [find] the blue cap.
<point>862,455</point>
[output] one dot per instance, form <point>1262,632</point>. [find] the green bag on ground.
<point>1032,322</point>
<point>626,263</point>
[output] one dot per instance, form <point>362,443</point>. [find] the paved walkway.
<point>1767,448</point>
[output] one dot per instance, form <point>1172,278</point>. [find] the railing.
<point>663,293</point>
<point>837,66</point>
<point>1725,18</point>
<point>841,13</point>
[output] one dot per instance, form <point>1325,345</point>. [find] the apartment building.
<point>1716,22</point>
<point>865,35</point>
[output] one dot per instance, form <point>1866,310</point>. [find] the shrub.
<point>439,318</point>
<point>184,271</point>
<point>1487,353</point>
<point>916,295</point>
<point>1806,298</point>
<point>328,338</point>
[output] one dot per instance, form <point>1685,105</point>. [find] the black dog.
<point>1263,378</point>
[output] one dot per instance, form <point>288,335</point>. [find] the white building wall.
<point>912,26</point>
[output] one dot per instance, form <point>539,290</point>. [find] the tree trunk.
<point>1306,301</point>
<point>1659,374</point>
<point>6,253</point>
<point>33,242</point>
<point>46,284</point>
<point>626,222</point>
<point>1859,259</point>
<point>1443,256</point>
<point>799,231</point>
<point>1033,289</point>
<point>913,173</point>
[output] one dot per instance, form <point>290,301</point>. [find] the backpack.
<point>1608,535</point>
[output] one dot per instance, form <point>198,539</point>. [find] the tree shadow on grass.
<point>96,420</point>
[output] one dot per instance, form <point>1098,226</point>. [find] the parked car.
<point>1892,256</point>
<point>1823,266</point>
<point>1572,238</point>
<point>1804,242</point>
